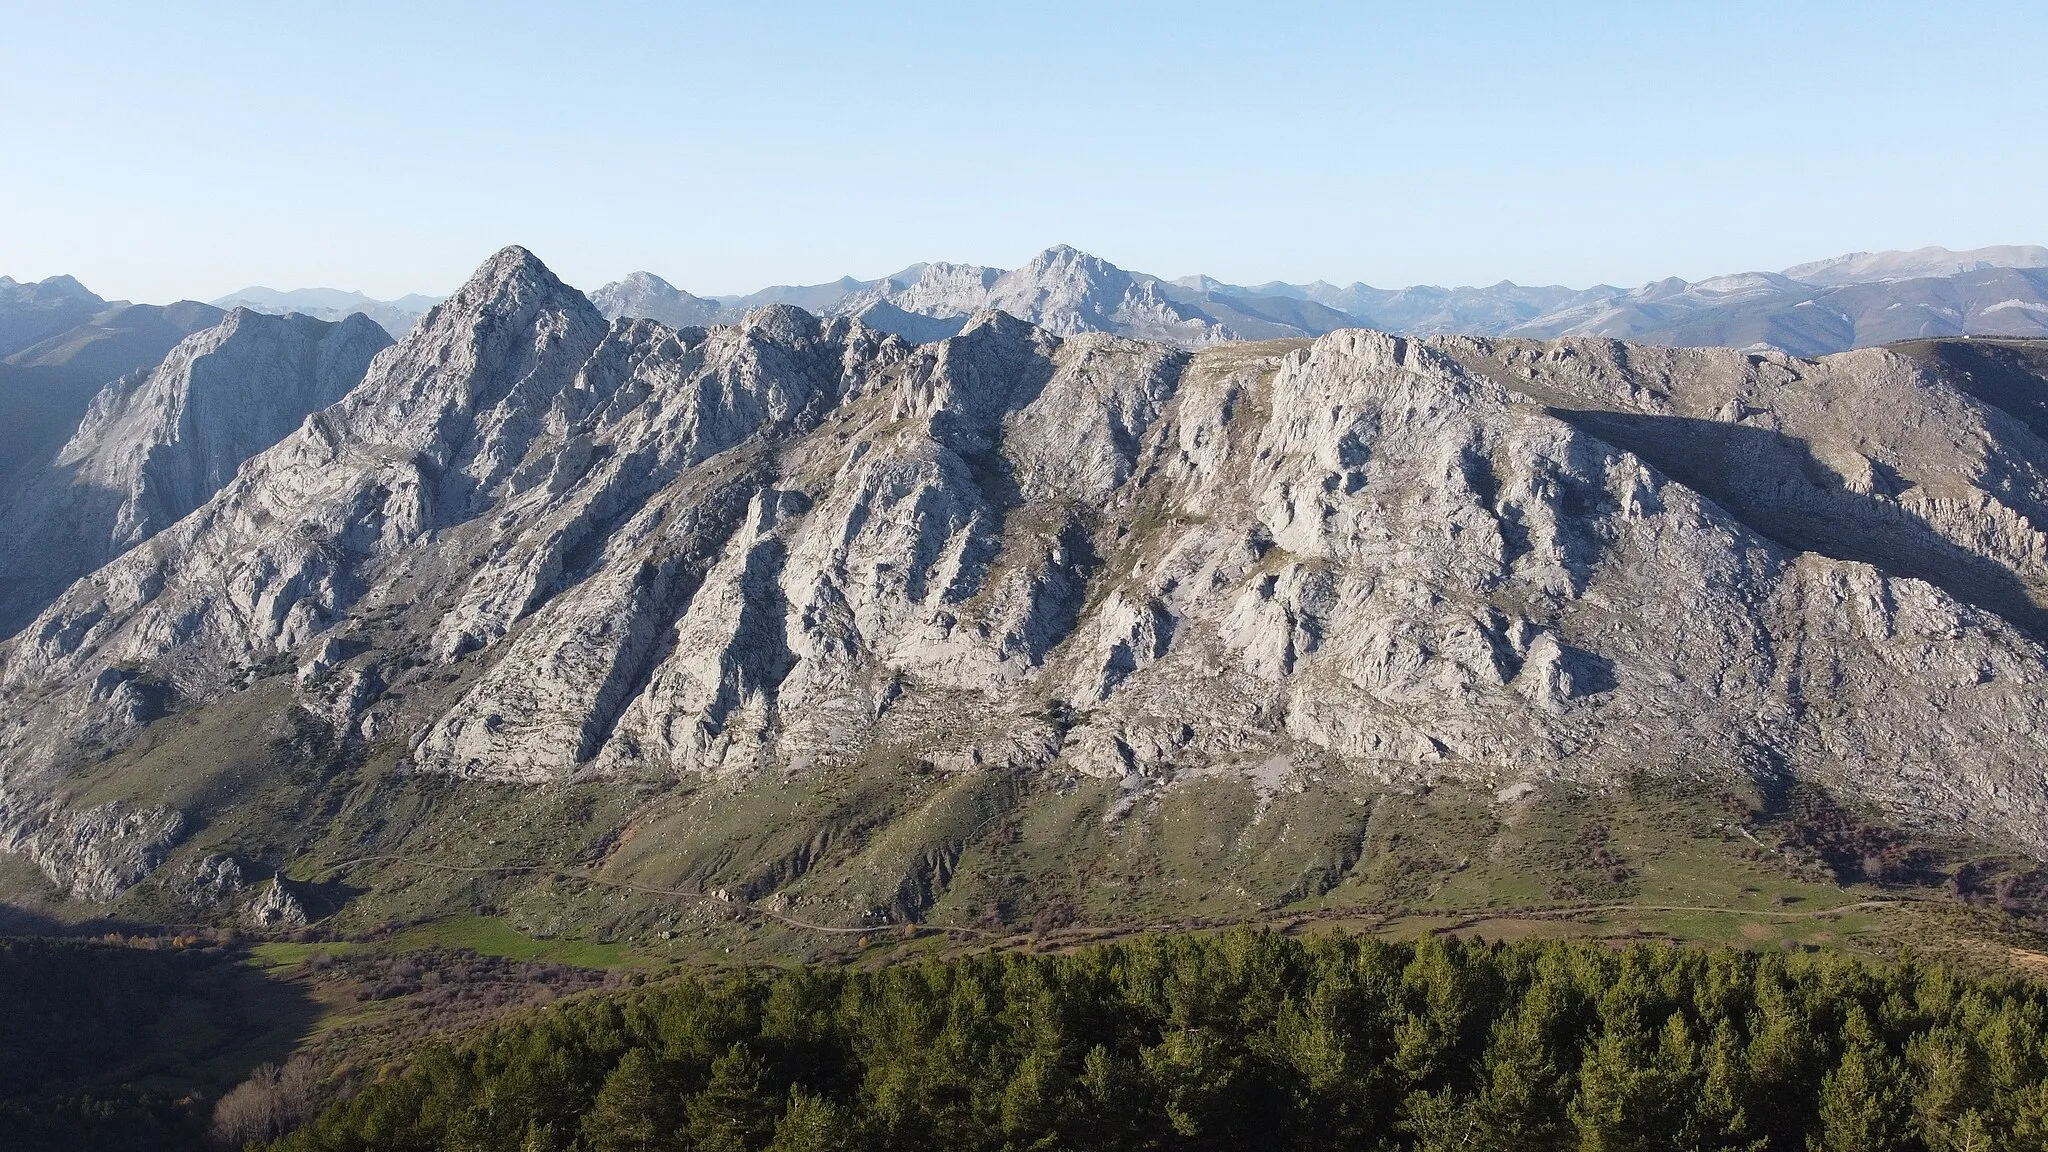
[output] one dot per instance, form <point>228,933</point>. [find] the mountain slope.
<point>647,296</point>
<point>1919,264</point>
<point>36,311</point>
<point>795,609</point>
<point>39,409</point>
<point>121,339</point>
<point>1062,290</point>
<point>1808,319</point>
<point>151,448</point>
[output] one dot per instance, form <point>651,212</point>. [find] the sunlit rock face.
<point>770,547</point>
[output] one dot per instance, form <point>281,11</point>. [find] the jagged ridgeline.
<point>797,612</point>
<point>1248,1041</point>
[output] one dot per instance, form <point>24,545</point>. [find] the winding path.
<point>744,909</point>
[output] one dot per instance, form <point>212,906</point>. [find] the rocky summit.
<point>797,610</point>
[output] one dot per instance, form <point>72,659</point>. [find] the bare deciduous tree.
<point>271,1102</point>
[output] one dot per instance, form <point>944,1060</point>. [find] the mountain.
<point>36,311</point>
<point>59,343</point>
<point>395,316</point>
<point>1919,264</point>
<point>645,295</point>
<point>820,298</point>
<point>585,622</point>
<point>152,447</point>
<point>1853,301</point>
<point>1067,292</point>
<point>122,338</point>
<point>1063,290</point>
<point>1766,309</point>
<point>1426,310</point>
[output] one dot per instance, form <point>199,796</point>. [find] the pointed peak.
<point>1067,260</point>
<point>647,280</point>
<point>65,284</point>
<point>248,323</point>
<point>1061,253</point>
<point>516,278</point>
<point>511,263</point>
<point>58,287</point>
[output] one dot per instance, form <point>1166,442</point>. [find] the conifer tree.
<point>1860,1109</point>
<point>631,1112</point>
<point>736,1110</point>
<point>812,1124</point>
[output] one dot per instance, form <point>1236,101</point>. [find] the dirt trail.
<point>1462,917</point>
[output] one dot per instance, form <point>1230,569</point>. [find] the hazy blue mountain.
<point>59,343</point>
<point>40,309</point>
<point>121,339</point>
<point>1879,267</point>
<point>649,297</point>
<point>1261,317</point>
<point>152,446</point>
<point>1850,301</point>
<point>395,316</point>
<point>914,327</point>
<point>1810,319</point>
<point>809,297</point>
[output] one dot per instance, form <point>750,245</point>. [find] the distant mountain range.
<point>1851,301</point>
<point>59,323</point>
<point>395,316</point>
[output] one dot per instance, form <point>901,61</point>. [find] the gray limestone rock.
<point>206,882</point>
<point>276,908</point>
<point>154,446</point>
<point>637,553</point>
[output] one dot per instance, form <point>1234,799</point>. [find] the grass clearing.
<point>492,936</point>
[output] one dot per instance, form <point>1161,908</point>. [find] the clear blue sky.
<point>163,150</point>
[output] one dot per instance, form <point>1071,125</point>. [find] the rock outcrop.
<point>276,908</point>
<point>754,552</point>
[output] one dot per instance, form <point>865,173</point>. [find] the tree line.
<point>82,1022</point>
<point>1249,1039</point>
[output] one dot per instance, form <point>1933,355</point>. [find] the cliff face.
<point>535,547</point>
<point>154,446</point>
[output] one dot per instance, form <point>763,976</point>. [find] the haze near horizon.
<point>388,148</point>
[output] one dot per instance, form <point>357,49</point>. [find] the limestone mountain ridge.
<point>1858,300</point>
<point>706,570</point>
